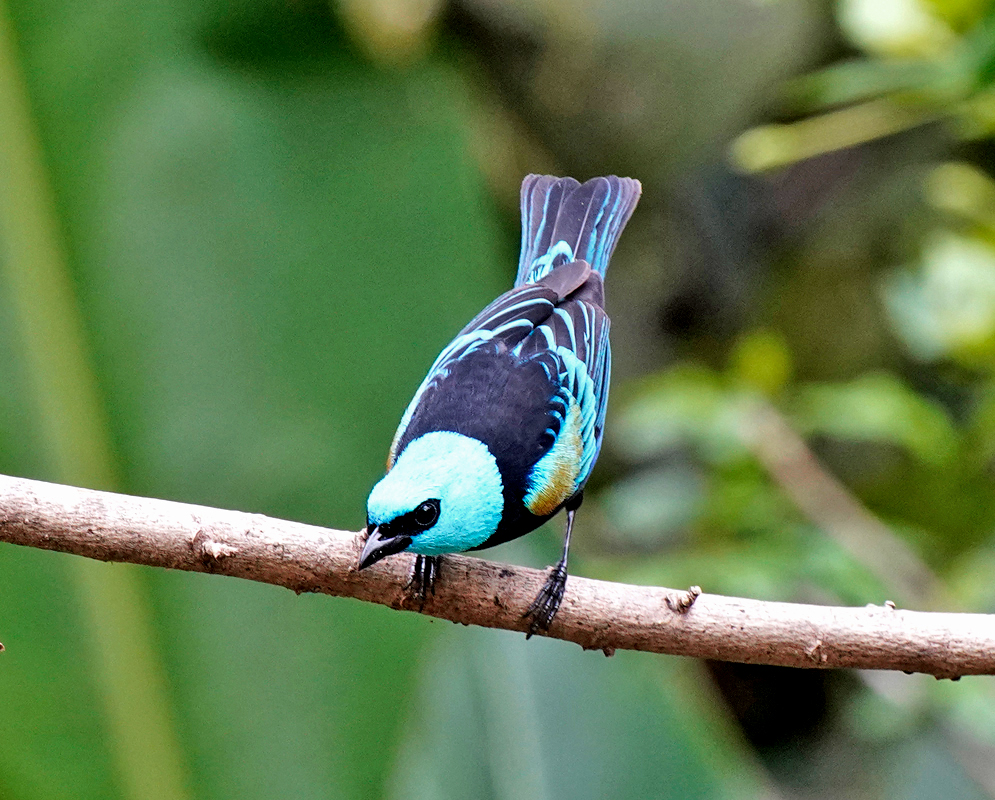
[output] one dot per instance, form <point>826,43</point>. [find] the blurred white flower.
<point>948,306</point>
<point>904,28</point>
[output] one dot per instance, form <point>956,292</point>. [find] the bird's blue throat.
<point>458,470</point>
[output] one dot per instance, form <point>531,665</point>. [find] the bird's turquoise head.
<point>444,494</point>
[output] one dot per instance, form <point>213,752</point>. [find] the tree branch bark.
<point>594,614</point>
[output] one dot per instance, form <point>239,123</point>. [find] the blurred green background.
<point>233,237</point>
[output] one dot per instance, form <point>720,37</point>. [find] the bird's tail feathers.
<point>564,221</point>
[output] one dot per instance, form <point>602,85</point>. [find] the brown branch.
<point>595,614</point>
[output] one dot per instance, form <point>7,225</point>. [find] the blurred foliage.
<point>232,238</point>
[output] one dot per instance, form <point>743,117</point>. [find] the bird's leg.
<point>422,581</point>
<point>547,602</point>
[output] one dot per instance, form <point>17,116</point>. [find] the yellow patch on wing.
<point>553,478</point>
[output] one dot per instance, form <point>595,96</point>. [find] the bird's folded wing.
<point>572,346</point>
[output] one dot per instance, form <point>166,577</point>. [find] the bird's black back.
<point>502,400</point>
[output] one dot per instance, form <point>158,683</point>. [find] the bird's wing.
<point>504,324</point>
<point>572,347</point>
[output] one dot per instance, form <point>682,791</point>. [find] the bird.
<point>507,425</point>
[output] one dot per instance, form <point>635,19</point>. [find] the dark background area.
<point>233,237</point>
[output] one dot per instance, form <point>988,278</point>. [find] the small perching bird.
<point>506,427</point>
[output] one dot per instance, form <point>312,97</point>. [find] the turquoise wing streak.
<point>573,347</point>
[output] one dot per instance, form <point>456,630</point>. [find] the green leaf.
<point>877,408</point>
<point>685,406</point>
<point>654,505</point>
<point>504,718</point>
<point>268,255</point>
<point>858,80</point>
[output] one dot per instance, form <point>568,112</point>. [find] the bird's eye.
<point>426,514</point>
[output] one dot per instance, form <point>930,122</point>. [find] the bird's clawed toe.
<point>422,581</point>
<point>547,602</point>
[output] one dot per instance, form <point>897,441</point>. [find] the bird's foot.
<point>422,581</point>
<point>547,602</point>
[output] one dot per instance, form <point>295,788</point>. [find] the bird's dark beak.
<point>377,547</point>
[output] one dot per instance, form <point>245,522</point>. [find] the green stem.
<point>772,146</point>
<point>77,445</point>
